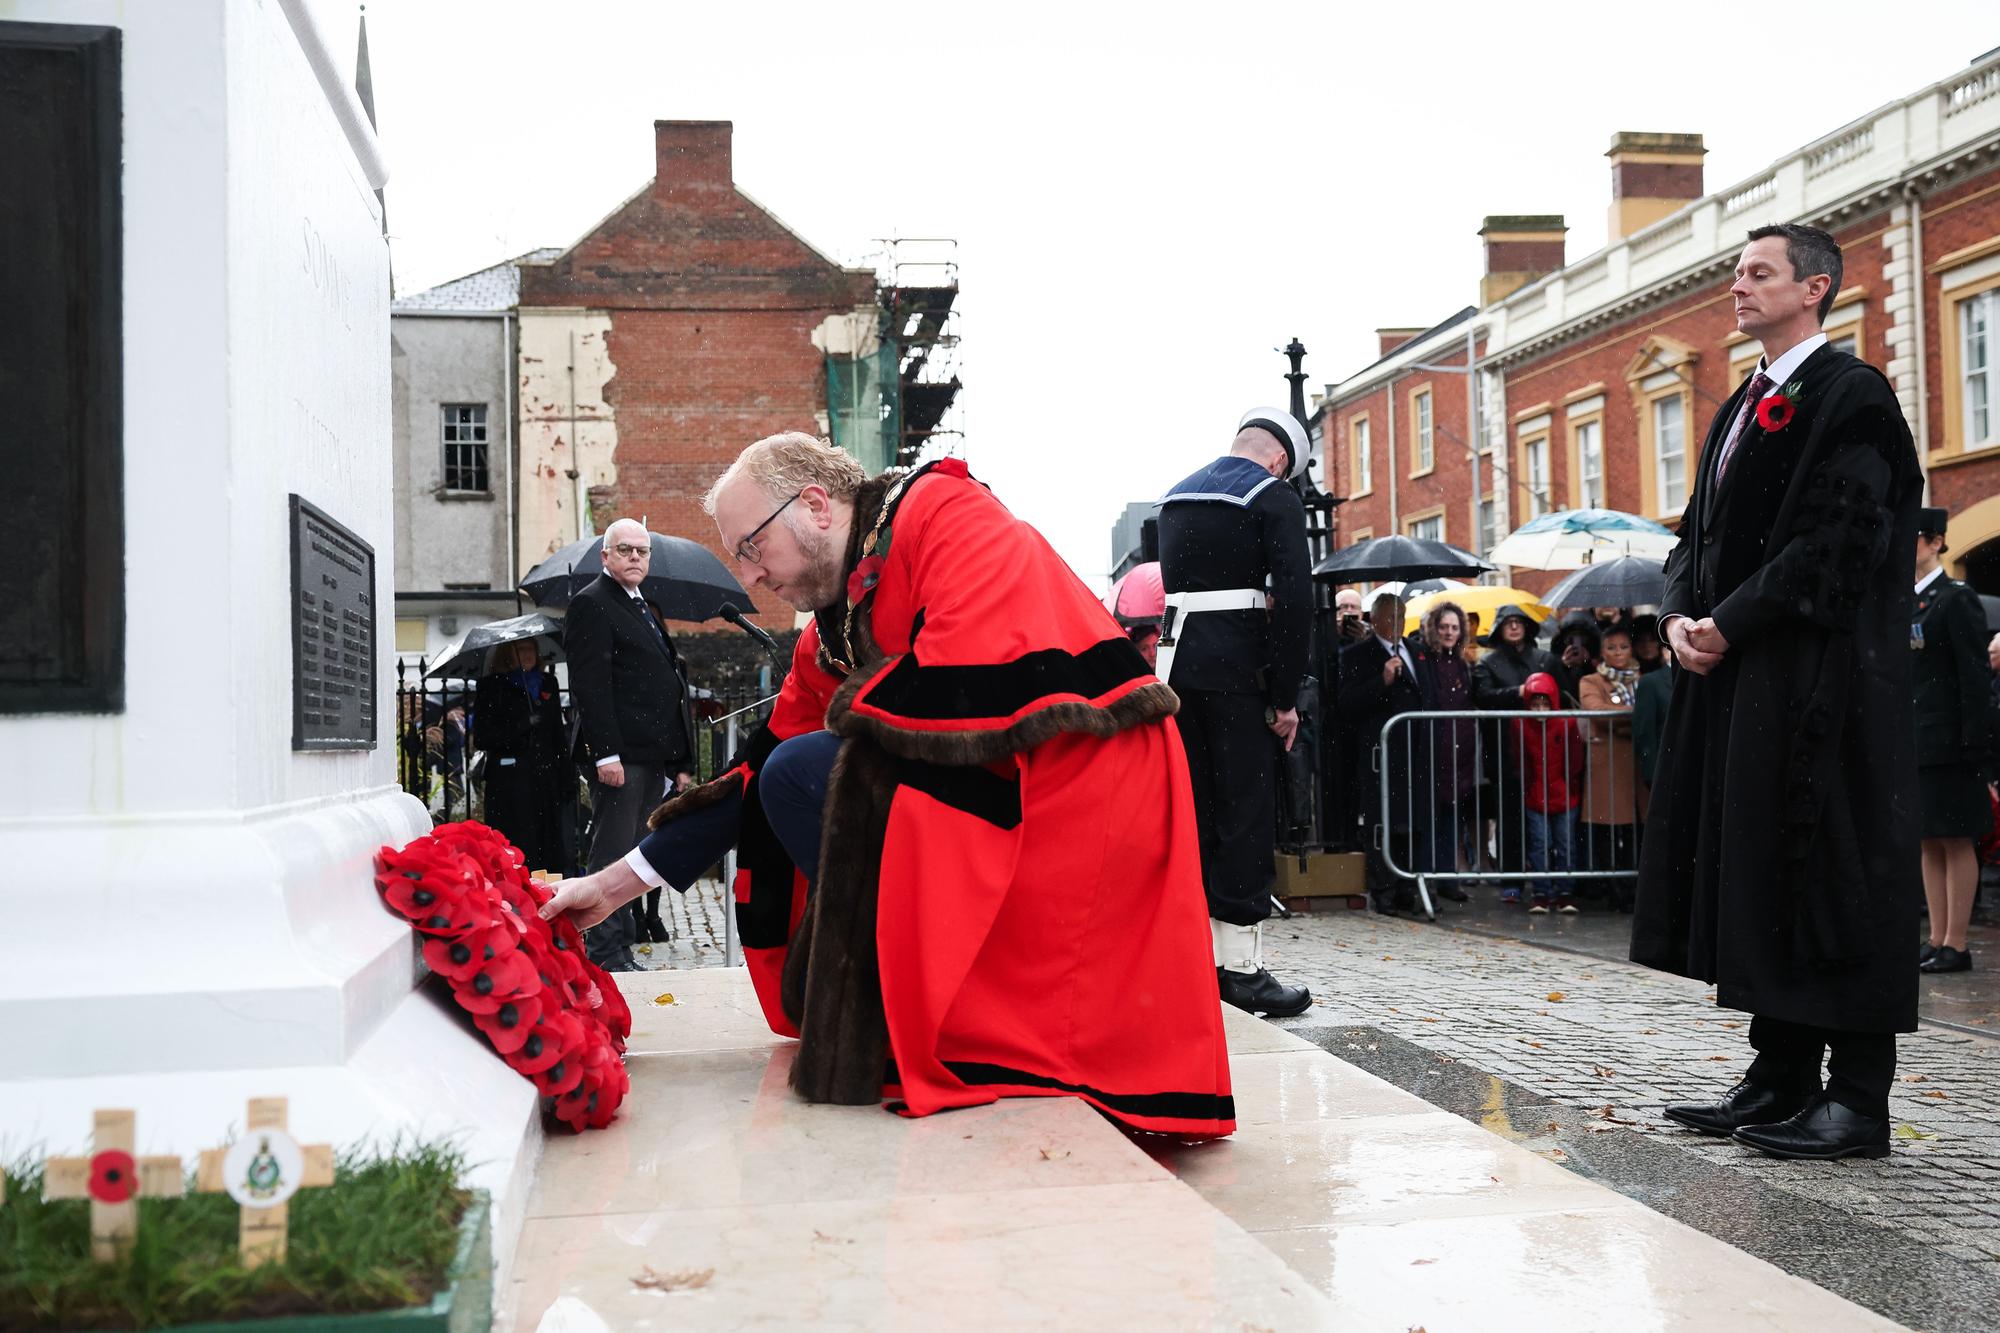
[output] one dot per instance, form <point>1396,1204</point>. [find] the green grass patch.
<point>380,1237</point>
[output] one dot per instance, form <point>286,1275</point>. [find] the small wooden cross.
<point>112,1179</point>
<point>262,1171</point>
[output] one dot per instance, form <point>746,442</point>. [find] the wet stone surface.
<point>1575,1055</point>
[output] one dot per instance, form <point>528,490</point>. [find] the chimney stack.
<point>1388,340</point>
<point>1519,249</point>
<point>691,154</point>
<point>1652,175</point>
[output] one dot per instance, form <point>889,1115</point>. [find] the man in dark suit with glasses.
<point>627,686</point>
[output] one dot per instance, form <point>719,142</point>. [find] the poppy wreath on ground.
<point>554,1016</point>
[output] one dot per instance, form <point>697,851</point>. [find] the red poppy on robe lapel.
<point>1776,411</point>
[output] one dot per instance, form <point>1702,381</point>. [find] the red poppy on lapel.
<point>864,578</point>
<point>1776,411</point>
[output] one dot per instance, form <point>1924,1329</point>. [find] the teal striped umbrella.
<point>1573,538</point>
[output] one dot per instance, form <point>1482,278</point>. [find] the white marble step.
<point>1342,1202</point>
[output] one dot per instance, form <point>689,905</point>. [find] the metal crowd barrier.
<point>1404,826</point>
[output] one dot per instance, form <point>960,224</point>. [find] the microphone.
<point>732,613</point>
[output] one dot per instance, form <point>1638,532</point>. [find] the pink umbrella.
<point>1139,599</point>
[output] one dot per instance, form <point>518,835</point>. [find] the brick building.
<point>1593,382</point>
<point>679,329</point>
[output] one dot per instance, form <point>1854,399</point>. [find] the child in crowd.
<point>1551,755</point>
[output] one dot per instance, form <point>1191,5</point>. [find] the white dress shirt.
<point>1928,579</point>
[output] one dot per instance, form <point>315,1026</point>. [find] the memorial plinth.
<point>199,762</point>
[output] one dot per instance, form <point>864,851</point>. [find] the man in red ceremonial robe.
<point>967,840</point>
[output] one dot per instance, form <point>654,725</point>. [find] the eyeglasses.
<point>747,550</point>
<point>629,550</point>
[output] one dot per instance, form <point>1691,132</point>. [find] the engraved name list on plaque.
<point>333,634</point>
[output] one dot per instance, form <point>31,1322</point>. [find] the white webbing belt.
<point>1181,605</point>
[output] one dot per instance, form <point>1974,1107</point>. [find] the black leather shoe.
<point>1261,993</point>
<point>1745,1104</point>
<point>1451,893</point>
<point>656,929</point>
<point>1924,953</point>
<point>1821,1132</point>
<point>1947,959</point>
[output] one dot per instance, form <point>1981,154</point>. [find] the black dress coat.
<point>625,679</point>
<point>1952,691</point>
<point>522,735</point>
<point>1367,704</point>
<point>1780,860</point>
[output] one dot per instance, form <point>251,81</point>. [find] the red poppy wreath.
<point>553,1015</point>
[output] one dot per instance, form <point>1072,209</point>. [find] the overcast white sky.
<point>1148,199</point>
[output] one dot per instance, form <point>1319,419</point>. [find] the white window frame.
<point>1590,488</point>
<point>1669,499</point>
<point>1359,431</point>
<point>1979,380</point>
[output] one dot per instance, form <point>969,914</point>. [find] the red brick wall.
<point>1449,483</point>
<point>691,391</point>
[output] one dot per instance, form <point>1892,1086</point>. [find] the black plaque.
<point>62,538</point>
<point>333,634</point>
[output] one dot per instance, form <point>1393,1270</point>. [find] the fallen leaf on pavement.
<point>1937,1096</point>
<point>1051,1155</point>
<point>1912,1132</point>
<point>665,997</point>
<point>1649,1032</point>
<point>1555,1154</point>
<point>1416,1263</point>
<point>1721,1057</point>
<point>1602,1072</point>
<point>1732,1025</point>
<point>1556,997</point>
<point>686,1279</point>
<point>1914,1078</point>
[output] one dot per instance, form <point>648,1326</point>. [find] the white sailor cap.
<point>1290,433</point>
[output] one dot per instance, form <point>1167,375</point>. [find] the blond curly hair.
<point>788,462</point>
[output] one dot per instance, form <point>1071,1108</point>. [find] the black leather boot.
<point>1745,1104</point>
<point>1821,1132</point>
<point>1261,993</point>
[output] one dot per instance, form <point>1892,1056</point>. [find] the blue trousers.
<point>1550,839</point>
<point>792,785</point>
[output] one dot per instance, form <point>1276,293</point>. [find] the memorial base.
<point>194,962</point>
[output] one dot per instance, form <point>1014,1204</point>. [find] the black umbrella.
<point>1630,580</point>
<point>1385,558</point>
<point>465,656</point>
<point>686,580</point>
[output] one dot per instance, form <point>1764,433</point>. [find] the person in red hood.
<point>1551,756</point>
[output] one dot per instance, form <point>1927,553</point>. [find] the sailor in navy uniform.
<point>1234,645</point>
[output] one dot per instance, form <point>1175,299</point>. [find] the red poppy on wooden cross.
<point>261,1171</point>
<point>112,1179</point>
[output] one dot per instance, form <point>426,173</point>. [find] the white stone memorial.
<point>190,917</point>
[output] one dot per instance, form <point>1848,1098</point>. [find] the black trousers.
<point>617,822</point>
<point>1232,763</point>
<point>1860,1066</point>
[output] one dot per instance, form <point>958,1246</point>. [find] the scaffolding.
<point>893,399</point>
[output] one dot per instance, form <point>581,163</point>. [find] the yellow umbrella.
<point>1480,601</point>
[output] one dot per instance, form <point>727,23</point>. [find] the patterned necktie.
<point>1760,384</point>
